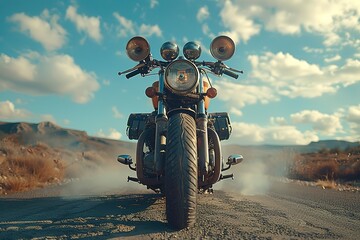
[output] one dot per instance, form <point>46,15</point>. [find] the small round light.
<point>192,50</point>
<point>211,92</point>
<point>222,48</point>
<point>150,92</point>
<point>137,48</point>
<point>169,51</point>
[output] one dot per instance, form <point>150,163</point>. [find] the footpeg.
<point>227,176</point>
<point>133,179</point>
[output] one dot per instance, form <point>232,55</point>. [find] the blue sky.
<point>59,62</point>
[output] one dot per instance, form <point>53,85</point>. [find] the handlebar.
<point>132,74</point>
<point>143,68</point>
<point>230,73</point>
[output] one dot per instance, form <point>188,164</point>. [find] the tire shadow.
<point>86,217</point>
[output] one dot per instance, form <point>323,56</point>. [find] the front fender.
<point>188,111</point>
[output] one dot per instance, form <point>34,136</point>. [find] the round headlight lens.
<point>181,76</point>
<point>138,48</point>
<point>222,48</point>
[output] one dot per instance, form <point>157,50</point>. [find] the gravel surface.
<point>286,211</point>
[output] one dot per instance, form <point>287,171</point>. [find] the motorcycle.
<point>178,149</point>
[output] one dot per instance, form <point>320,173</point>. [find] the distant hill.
<point>58,137</point>
<point>331,144</point>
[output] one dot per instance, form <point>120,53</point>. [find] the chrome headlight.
<point>138,48</point>
<point>169,51</point>
<point>222,48</point>
<point>181,76</point>
<point>192,50</point>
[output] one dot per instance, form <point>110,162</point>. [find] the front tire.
<point>181,171</point>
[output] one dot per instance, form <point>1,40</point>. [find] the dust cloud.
<point>102,180</point>
<point>256,173</point>
<point>250,178</point>
<point>97,173</point>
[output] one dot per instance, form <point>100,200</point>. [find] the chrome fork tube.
<point>161,125</point>
<point>161,108</point>
<point>203,144</point>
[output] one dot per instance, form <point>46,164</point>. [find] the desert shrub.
<point>44,170</point>
<point>350,172</point>
<point>326,166</point>
<point>335,150</point>
<point>324,170</point>
<point>324,151</point>
<point>17,184</point>
<point>24,168</point>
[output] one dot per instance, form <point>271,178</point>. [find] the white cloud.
<point>313,50</point>
<point>324,17</point>
<point>206,30</point>
<point>245,133</point>
<point>15,69</point>
<point>149,30</point>
<point>294,77</point>
<point>278,121</point>
<point>126,26</point>
<point>116,112</point>
<point>129,28</point>
<point>353,118</point>
<point>354,114</point>
<point>203,14</point>
<point>40,75</point>
<point>111,134</point>
<point>327,124</point>
<point>153,3</point>
<point>241,27</point>
<point>239,95</point>
<point>235,111</point>
<point>333,59</point>
<point>43,29</point>
<point>88,25</point>
<point>8,111</point>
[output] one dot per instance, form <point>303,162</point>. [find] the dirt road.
<point>286,211</point>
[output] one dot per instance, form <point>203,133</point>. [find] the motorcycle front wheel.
<point>181,171</point>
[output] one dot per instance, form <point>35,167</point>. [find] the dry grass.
<point>24,168</point>
<point>330,184</point>
<point>327,167</point>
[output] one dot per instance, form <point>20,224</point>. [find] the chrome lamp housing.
<point>137,49</point>
<point>169,51</point>
<point>192,50</point>
<point>222,48</point>
<point>181,76</point>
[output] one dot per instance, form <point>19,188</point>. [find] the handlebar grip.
<point>132,74</point>
<point>230,73</point>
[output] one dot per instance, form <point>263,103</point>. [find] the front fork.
<point>161,126</point>
<point>202,133</point>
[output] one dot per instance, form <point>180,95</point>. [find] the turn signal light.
<point>150,92</point>
<point>211,92</point>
